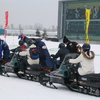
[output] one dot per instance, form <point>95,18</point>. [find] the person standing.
<point>4,50</point>
<point>44,56</point>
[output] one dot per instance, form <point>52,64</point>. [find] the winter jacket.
<point>19,48</point>
<point>4,50</point>
<point>87,63</point>
<point>45,58</point>
<point>61,53</point>
<point>72,47</point>
<point>23,47</point>
<point>27,53</point>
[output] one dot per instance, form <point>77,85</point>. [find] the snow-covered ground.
<point>13,88</point>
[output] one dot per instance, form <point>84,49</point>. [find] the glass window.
<point>76,20</point>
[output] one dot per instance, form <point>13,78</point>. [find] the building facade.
<point>72,19</point>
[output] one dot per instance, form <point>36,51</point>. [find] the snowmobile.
<point>88,84</point>
<point>32,72</point>
<point>2,62</point>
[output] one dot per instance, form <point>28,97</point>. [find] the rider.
<point>21,46</point>
<point>26,58</point>
<point>73,47</point>
<point>61,53</point>
<point>23,37</point>
<point>86,58</point>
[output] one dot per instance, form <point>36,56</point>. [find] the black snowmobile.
<point>32,72</point>
<point>88,84</point>
<point>3,62</point>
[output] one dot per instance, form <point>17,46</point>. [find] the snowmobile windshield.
<point>65,65</point>
<point>69,56</point>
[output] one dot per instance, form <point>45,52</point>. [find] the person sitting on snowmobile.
<point>86,58</point>
<point>61,53</point>
<point>21,46</point>
<point>27,61</point>
<point>73,47</point>
<point>24,38</point>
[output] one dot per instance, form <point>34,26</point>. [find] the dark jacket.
<point>45,58</point>
<point>4,50</point>
<point>61,53</point>
<point>72,47</point>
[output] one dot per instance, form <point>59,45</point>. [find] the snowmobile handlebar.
<point>16,50</point>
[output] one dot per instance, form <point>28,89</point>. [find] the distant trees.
<point>38,33</point>
<point>12,26</point>
<point>1,26</point>
<point>44,35</point>
<point>30,27</point>
<point>20,28</point>
<point>38,26</point>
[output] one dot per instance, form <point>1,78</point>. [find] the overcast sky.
<point>30,12</point>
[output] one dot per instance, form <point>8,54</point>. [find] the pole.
<point>87,13</point>
<point>6,24</point>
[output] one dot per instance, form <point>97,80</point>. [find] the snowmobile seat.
<point>93,77</point>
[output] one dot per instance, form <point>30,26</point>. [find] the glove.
<point>18,49</point>
<point>52,55</point>
<point>13,50</point>
<point>66,61</point>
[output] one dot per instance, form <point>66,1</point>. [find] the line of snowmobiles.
<point>87,84</point>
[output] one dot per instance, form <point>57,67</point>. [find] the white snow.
<point>14,88</point>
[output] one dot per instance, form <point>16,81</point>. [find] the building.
<point>1,31</point>
<point>72,19</point>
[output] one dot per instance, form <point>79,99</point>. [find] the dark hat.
<point>65,40</point>
<point>86,47</point>
<point>21,42</point>
<point>61,45</point>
